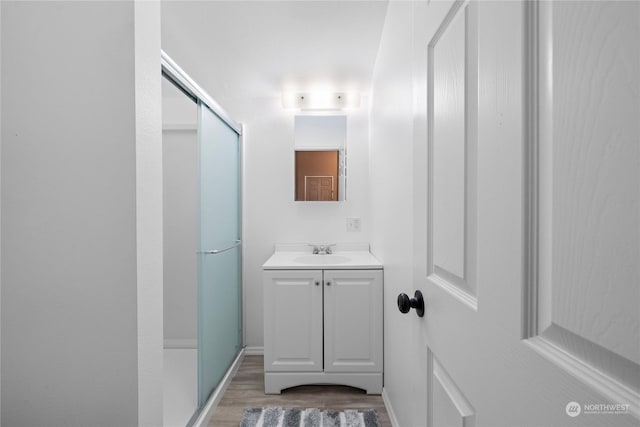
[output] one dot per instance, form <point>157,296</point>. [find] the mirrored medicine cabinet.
<point>320,155</point>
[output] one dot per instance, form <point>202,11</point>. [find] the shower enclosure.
<point>202,247</point>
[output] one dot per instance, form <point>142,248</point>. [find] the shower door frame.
<point>172,71</point>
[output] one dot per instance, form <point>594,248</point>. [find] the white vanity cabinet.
<point>323,326</point>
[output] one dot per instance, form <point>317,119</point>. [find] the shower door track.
<point>176,74</point>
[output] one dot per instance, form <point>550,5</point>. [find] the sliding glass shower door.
<point>219,255</point>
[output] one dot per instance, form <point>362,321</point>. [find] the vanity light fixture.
<point>320,100</point>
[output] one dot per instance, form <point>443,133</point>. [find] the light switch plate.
<point>353,224</point>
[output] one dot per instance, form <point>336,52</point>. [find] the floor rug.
<point>311,417</point>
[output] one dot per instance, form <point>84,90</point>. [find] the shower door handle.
<point>218,251</point>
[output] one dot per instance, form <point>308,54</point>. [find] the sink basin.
<point>322,259</point>
<point>297,256</point>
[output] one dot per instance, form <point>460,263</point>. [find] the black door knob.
<point>405,304</point>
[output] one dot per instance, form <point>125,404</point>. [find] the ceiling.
<point>261,48</point>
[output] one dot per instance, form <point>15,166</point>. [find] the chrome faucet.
<point>322,249</point>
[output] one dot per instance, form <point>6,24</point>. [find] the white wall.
<point>180,201</point>
<point>76,294</point>
<point>394,163</point>
<point>180,171</point>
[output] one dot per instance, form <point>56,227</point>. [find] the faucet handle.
<point>321,249</point>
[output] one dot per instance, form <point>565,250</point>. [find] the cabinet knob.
<point>329,283</point>
<point>317,283</point>
<point>405,304</point>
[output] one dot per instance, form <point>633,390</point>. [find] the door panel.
<point>447,405</point>
<point>219,339</point>
<point>583,293</point>
<point>353,321</point>
<point>452,153</point>
<point>293,303</point>
<point>219,258</point>
<point>318,188</point>
<point>220,181</point>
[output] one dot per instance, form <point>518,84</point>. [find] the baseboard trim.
<point>387,405</point>
<point>180,343</point>
<point>254,351</point>
<point>207,412</point>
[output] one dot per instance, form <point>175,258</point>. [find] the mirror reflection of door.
<point>317,175</point>
<point>318,188</point>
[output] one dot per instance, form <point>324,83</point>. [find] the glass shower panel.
<point>219,292</point>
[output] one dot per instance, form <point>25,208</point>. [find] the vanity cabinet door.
<point>353,321</point>
<point>293,321</point>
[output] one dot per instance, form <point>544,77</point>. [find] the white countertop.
<point>299,256</point>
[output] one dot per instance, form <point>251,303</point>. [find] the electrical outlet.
<point>353,224</point>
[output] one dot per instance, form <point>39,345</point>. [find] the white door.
<point>531,224</point>
<point>318,188</point>
<point>353,321</point>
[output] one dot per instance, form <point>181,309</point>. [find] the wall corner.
<point>148,146</point>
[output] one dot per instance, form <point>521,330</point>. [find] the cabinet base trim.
<point>274,383</point>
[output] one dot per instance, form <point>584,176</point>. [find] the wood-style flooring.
<point>247,391</point>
